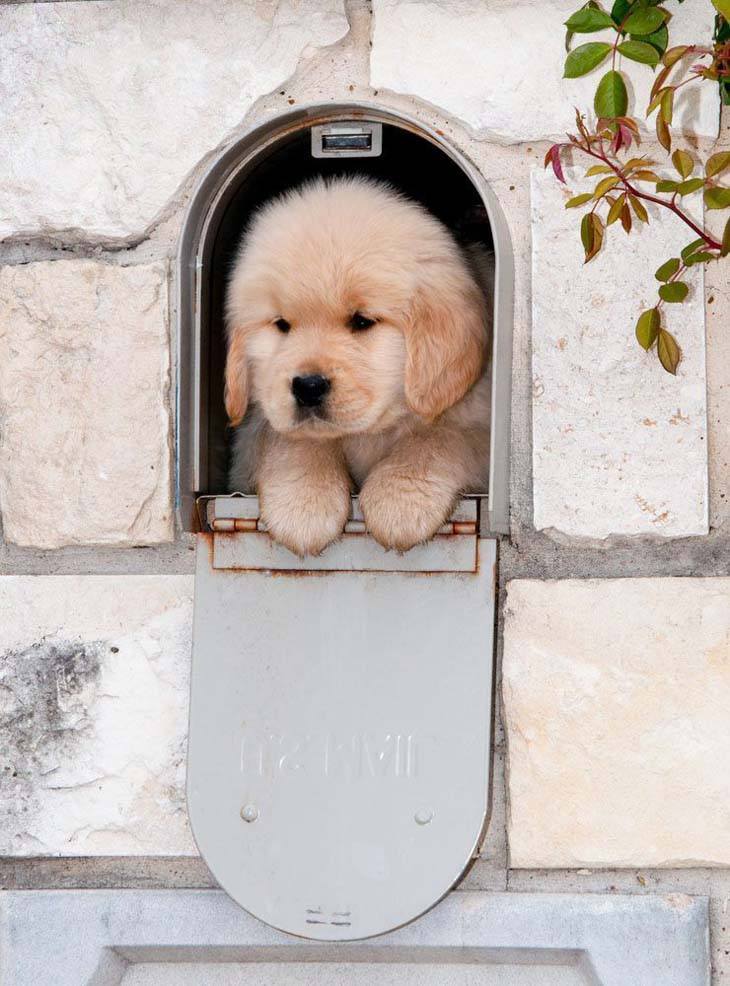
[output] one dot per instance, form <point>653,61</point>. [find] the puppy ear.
<point>236,388</point>
<point>446,342</point>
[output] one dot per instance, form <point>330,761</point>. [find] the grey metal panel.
<point>340,731</point>
<point>101,937</point>
<point>204,212</point>
<point>352,553</point>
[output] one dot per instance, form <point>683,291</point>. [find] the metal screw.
<point>249,813</point>
<point>423,816</point>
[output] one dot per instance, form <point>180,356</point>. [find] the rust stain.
<point>649,508</point>
<point>649,423</point>
<point>678,418</point>
<point>464,527</point>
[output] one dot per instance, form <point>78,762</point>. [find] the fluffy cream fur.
<point>406,419</point>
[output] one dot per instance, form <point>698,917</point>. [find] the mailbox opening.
<point>333,142</point>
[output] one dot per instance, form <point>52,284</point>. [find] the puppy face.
<point>349,308</point>
<point>328,365</point>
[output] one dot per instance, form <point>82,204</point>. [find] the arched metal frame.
<point>202,220</point>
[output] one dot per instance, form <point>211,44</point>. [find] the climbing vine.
<point>626,180</point>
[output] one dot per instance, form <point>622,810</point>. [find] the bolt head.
<point>423,816</point>
<point>249,813</point>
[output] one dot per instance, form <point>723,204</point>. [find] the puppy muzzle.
<point>310,391</point>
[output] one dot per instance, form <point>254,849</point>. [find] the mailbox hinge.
<point>240,514</point>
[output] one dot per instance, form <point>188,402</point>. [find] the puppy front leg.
<point>304,492</point>
<point>412,491</point>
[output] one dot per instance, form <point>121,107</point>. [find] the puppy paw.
<point>305,522</point>
<point>401,512</point>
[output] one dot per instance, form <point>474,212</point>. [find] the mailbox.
<point>340,720</point>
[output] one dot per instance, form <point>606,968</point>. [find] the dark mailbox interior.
<point>409,162</point>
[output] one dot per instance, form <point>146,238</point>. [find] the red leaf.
<point>626,134</point>
<point>553,157</point>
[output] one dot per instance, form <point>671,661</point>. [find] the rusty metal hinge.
<point>240,513</point>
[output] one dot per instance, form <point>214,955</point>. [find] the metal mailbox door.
<point>340,721</point>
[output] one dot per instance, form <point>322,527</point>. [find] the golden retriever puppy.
<point>358,337</point>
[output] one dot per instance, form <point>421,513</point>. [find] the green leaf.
<point>725,250</point>
<point>672,56</point>
<point>578,200</point>
<point>700,258</point>
<point>668,351</point>
<point>620,10</point>
<point>667,105</point>
<point>687,187</point>
<point>674,293</point>
<point>647,328</point>
<point>586,232</point>
<point>584,58</point>
<point>668,269</point>
<point>717,198</point>
<point>717,164</point>
<point>605,186</point>
<point>591,233</point>
<point>611,99</point>
<point>691,247</point>
<point>599,169</point>
<point>614,212</point>
<point>644,174</point>
<point>639,51</point>
<point>637,162</point>
<point>644,21</point>
<point>659,39</point>
<point>723,7</point>
<point>639,211</point>
<point>662,130</point>
<point>588,20</point>
<point>684,163</point>
<point>655,101</point>
<point>667,186</point>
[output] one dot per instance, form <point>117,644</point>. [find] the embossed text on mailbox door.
<point>350,756</point>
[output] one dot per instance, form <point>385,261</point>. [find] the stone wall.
<point>614,604</point>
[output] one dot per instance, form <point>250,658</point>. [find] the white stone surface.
<point>84,423</point>
<point>138,938</point>
<point>106,107</point>
<point>94,675</point>
<point>497,65</point>
<point>619,445</point>
<point>616,696</point>
<point>717,291</point>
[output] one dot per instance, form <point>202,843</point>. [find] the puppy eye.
<point>360,322</point>
<point>282,325</point>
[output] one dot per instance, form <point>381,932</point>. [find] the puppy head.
<point>349,308</point>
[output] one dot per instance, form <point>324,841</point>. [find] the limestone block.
<point>84,422</point>
<point>94,675</point>
<point>188,937</point>
<point>718,392</point>
<point>106,107</point>
<point>497,65</point>
<point>616,694</point>
<point>619,445</point>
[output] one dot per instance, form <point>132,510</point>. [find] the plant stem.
<point>671,205</point>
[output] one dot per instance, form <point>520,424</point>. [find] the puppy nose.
<point>311,390</point>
